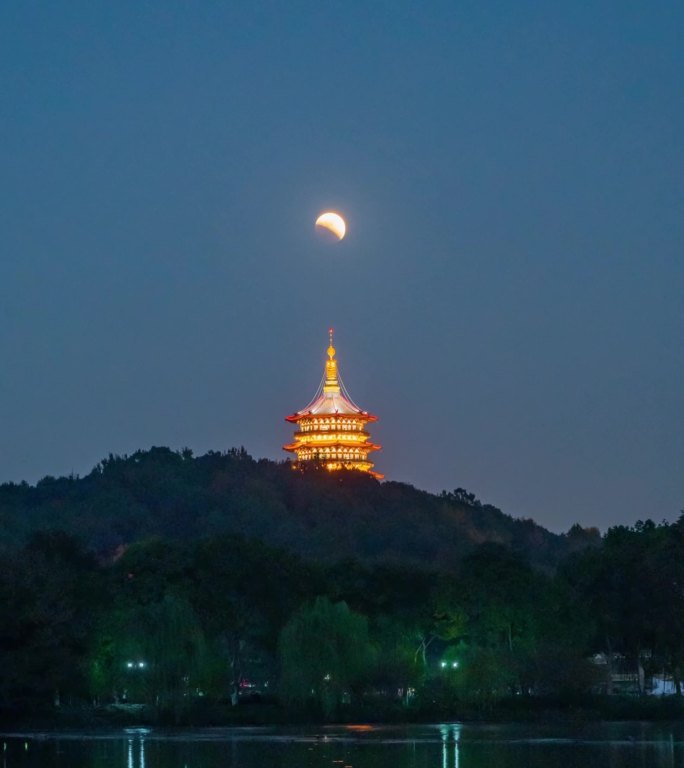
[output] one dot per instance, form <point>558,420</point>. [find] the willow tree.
<point>325,655</point>
<point>154,654</point>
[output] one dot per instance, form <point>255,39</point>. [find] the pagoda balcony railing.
<point>332,456</point>
<point>314,436</point>
<point>335,426</point>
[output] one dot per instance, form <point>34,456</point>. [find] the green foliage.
<point>325,654</point>
<point>153,653</point>
<point>46,610</point>
<point>398,669</point>
<point>485,675</point>
<point>632,589</point>
<point>317,514</point>
<point>374,593</point>
<point>244,593</point>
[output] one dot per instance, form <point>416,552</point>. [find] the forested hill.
<point>317,514</point>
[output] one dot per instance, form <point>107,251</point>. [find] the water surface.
<point>450,745</point>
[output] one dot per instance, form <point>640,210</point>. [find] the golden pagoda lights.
<point>331,430</point>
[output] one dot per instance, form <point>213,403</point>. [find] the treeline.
<point>322,515</point>
<point>191,628</point>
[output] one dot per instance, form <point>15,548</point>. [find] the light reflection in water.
<point>141,753</point>
<point>504,746</point>
<point>450,741</point>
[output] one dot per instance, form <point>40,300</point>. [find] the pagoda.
<point>331,430</point>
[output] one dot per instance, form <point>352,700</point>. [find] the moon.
<point>333,222</point>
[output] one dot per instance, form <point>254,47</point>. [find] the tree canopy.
<point>316,513</point>
<point>168,582</point>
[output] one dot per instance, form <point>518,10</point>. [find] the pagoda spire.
<point>331,383</point>
<point>331,430</point>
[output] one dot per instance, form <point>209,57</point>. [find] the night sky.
<point>509,298</point>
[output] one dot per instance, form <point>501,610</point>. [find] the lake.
<point>617,745</point>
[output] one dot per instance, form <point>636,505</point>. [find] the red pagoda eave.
<point>295,417</point>
<point>367,447</point>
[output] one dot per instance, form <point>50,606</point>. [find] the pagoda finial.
<point>331,383</point>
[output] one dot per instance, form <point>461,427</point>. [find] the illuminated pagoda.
<point>331,429</point>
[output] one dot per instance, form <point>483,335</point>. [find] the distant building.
<point>331,430</point>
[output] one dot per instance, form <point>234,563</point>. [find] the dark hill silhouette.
<point>317,514</point>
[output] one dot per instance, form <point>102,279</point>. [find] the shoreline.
<point>507,712</point>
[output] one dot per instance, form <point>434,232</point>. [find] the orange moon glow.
<point>333,222</point>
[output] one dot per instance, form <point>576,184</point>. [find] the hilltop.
<point>204,583</point>
<point>316,514</point>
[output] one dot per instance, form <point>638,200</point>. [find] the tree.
<point>632,590</point>
<point>49,593</point>
<point>665,562</point>
<point>149,646</point>
<point>244,593</point>
<point>325,655</point>
<point>154,653</point>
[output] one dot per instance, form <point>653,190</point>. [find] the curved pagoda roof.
<point>331,398</point>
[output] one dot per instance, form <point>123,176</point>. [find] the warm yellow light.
<point>332,437</point>
<point>333,222</point>
<point>338,440</point>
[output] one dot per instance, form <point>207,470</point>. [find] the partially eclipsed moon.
<point>333,222</point>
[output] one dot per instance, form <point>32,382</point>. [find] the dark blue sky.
<point>509,298</point>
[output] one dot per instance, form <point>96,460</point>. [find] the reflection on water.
<point>450,737</point>
<point>137,747</point>
<point>447,745</point>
